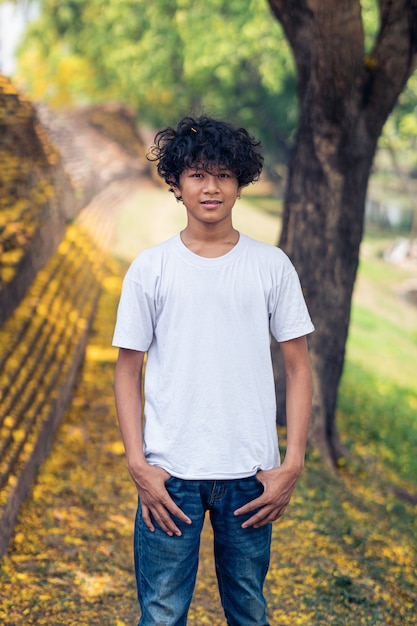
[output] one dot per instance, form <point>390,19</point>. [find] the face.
<point>208,196</point>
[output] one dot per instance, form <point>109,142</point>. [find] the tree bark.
<point>345,98</point>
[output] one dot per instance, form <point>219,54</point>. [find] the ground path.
<point>343,555</point>
<point>70,559</point>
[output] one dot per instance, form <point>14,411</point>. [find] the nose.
<point>211,184</point>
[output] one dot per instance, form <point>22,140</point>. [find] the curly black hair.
<point>205,142</point>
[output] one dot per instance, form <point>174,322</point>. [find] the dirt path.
<point>70,560</point>
<point>342,555</point>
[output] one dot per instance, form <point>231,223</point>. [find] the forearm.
<point>298,399</point>
<point>298,411</point>
<point>128,396</point>
<point>157,505</point>
<point>279,482</point>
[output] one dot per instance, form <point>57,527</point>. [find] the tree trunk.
<point>345,98</point>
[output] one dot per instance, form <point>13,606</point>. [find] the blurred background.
<point>84,86</point>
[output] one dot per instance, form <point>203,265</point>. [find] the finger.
<point>251,506</point>
<point>147,518</point>
<point>257,520</point>
<point>264,516</point>
<point>175,510</point>
<point>165,522</point>
<point>162,515</point>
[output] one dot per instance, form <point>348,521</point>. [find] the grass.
<point>378,393</point>
<point>357,527</point>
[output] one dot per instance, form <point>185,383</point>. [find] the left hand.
<point>278,486</point>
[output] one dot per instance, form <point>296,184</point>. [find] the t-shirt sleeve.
<point>135,317</point>
<point>289,316</point>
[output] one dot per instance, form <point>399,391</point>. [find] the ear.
<point>173,186</point>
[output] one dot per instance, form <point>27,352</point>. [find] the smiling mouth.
<point>209,203</point>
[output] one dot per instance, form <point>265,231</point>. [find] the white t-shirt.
<point>210,409</point>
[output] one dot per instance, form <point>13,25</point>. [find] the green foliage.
<point>166,59</point>
<point>370,21</point>
<point>400,132</point>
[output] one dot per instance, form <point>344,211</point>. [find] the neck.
<point>210,233</point>
<point>210,242</point>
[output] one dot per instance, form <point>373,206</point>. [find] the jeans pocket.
<point>258,483</point>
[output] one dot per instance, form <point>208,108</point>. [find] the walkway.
<point>69,561</point>
<point>341,555</point>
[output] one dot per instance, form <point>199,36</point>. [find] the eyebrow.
<point>215,168</point>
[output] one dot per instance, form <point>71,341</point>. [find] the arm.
<point>149,479</point>
<point>279,483</point>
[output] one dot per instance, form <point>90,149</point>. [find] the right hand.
<point>156,502</point>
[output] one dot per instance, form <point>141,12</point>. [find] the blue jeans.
<point>166,567</point>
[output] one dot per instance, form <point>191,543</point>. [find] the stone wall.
<point>51,166</point>
<point>62,176</point>
<point>35,196</point>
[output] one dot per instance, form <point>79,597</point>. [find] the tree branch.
<point>327,40</point>
<point>394,57</point>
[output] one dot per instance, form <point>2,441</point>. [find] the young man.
<point>202,307</point>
